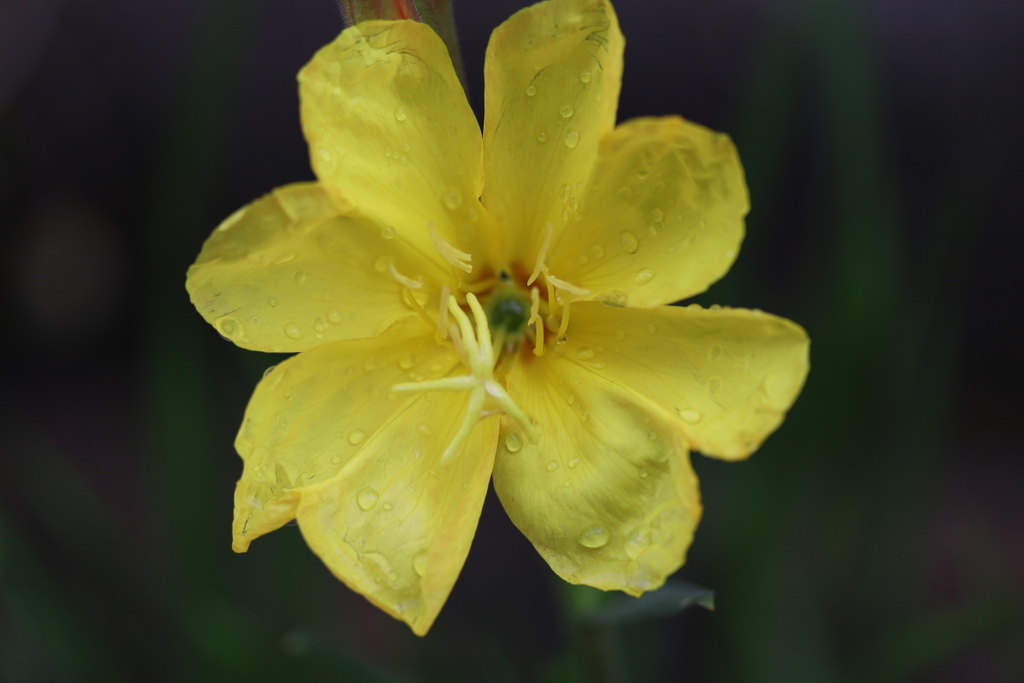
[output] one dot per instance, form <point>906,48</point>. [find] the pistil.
<point>478,353</point>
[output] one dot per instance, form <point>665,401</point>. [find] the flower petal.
<point>607,496</point>
<point>326,441</point>
<point>724,377</point>
<point>552,75</point>
<point>287,273</point>
<point>661,219</point>
<point>391,133</point>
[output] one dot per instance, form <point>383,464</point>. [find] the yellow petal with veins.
<point>287,273</point>
<point>661,218</point>
<point>391,134</point>
<point>327,442</point>
<point>607,494</point>
<point>725,378</point>
<point>552,76</point>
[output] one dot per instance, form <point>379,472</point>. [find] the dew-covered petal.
<point>552,76</point>
<point>661,218</point>
<point>287,273</point>
<point>326,441</point>
<point>391,134</point>
<point>607,495</point>
<point>724,377</point>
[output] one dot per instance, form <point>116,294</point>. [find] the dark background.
<point>878,536</point>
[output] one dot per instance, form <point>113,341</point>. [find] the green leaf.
<point>672,598</point>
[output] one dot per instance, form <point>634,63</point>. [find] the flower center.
<point>476,350</point>
<point>508,311</point>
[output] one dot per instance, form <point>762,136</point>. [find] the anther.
<point>455,257</point>
<point>542,254</point>
<point>536,321</point>
<point>403,280</point>
<point>442,313</point>
<point>567,286</point>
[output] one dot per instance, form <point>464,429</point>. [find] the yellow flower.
<point>417,296</point>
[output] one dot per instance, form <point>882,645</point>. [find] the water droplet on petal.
<point>643,276</point>
<point>400,114</point>
<point>392,576</point>
<point>690,415</point>
<point>382,262</point>
<point>584,353</point>
<point>629,242</point>
<point>542,136</point>
<point>333,316</point>
<point>572,463</point>
<point>292,331</point>
<point>652,435</point>
<point>620,335</point>
<point>642,472</point>
<point>513,443</point>
<point>597,251</point>
<point>356,437</point>
<point>585,76</point>
<point>230,328</point>
<point>300,277</point>
<point>284,258</point>
<point>387,506</point>
<point>366,499</point>
<point>595,537</point>
<point>406,361</point>
<point>336,460</point>
<point>714,384</point>
<point>571,139</point>
<point>565,110</point>
<point>651,329</point>
<point>530,91</point>
<point>424,430</point>
<point>552,466</point>
<point>715,352</point>
<point>272,301</point>
<point>419,563</point>
<point>388,232</point>
<point>656,215</point>
<point>452,198</point>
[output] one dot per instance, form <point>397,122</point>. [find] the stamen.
<point>442,313</point>
<point>536,321</point>
<point>481,286</point>
<point>411,300</point>
<point>403,280</point>
<point>542,254</point>
<point>565,321</point>
<point>455,257</point>
<point>551,295</point>
<point>567,286</point>
<point>460,348</point>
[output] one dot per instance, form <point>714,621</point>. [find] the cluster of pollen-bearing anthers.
<point>476,351</point>
<point>559,291</point>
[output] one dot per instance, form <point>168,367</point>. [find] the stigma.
<point>476,350</point>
